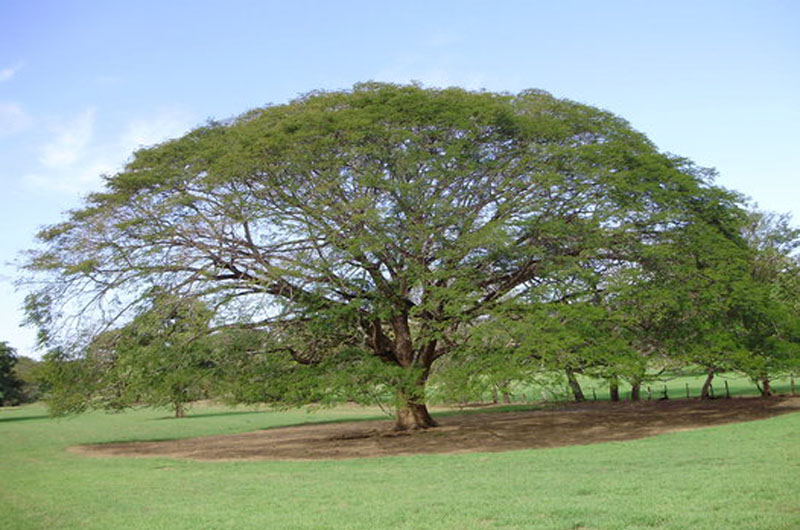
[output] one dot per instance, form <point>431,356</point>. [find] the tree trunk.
<point>577,391</point>
<point>180,411</point>
<point>411,410</point>
<point>635,391</point>
<point>766,387</point>
<point>705,390</point>
<point>413,416</point>
<point>613,389</point>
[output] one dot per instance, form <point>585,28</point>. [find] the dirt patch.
<point>574,424</point>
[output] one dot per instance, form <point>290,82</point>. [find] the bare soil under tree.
<point>565,424</point>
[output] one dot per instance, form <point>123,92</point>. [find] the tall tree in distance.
<point>371,225</point>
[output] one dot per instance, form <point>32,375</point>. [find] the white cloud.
<point>6,74</point>
<point>70,141</point>
<point>78,181</point>
<point>74,160</point>
<point>146,132</point>
<point>13,119</point>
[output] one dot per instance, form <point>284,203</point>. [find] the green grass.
<point>735,476</point>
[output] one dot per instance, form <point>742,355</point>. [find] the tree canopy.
<point>380,224</point>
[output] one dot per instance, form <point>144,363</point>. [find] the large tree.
<point>373,224</point>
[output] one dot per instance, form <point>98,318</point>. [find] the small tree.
<point>70,384</point>
<point>161,358</point>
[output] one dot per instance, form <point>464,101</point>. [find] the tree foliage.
<point>27,370</point>
<point>11,386</point>
<point>769,321</point>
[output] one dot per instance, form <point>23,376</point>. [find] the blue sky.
<point>82,84</point>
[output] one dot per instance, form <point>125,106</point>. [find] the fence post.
<point>594,394</point>
<point>687,391</point>
<point>649,393</point>
<point>666,395</point>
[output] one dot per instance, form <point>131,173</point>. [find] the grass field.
<point>735,476</point>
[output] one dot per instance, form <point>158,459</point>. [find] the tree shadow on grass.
<point>25,418</point>
<point>311,422</point>
<point>191,416</point>
<point>517,407</point>
<point>327,421</point>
